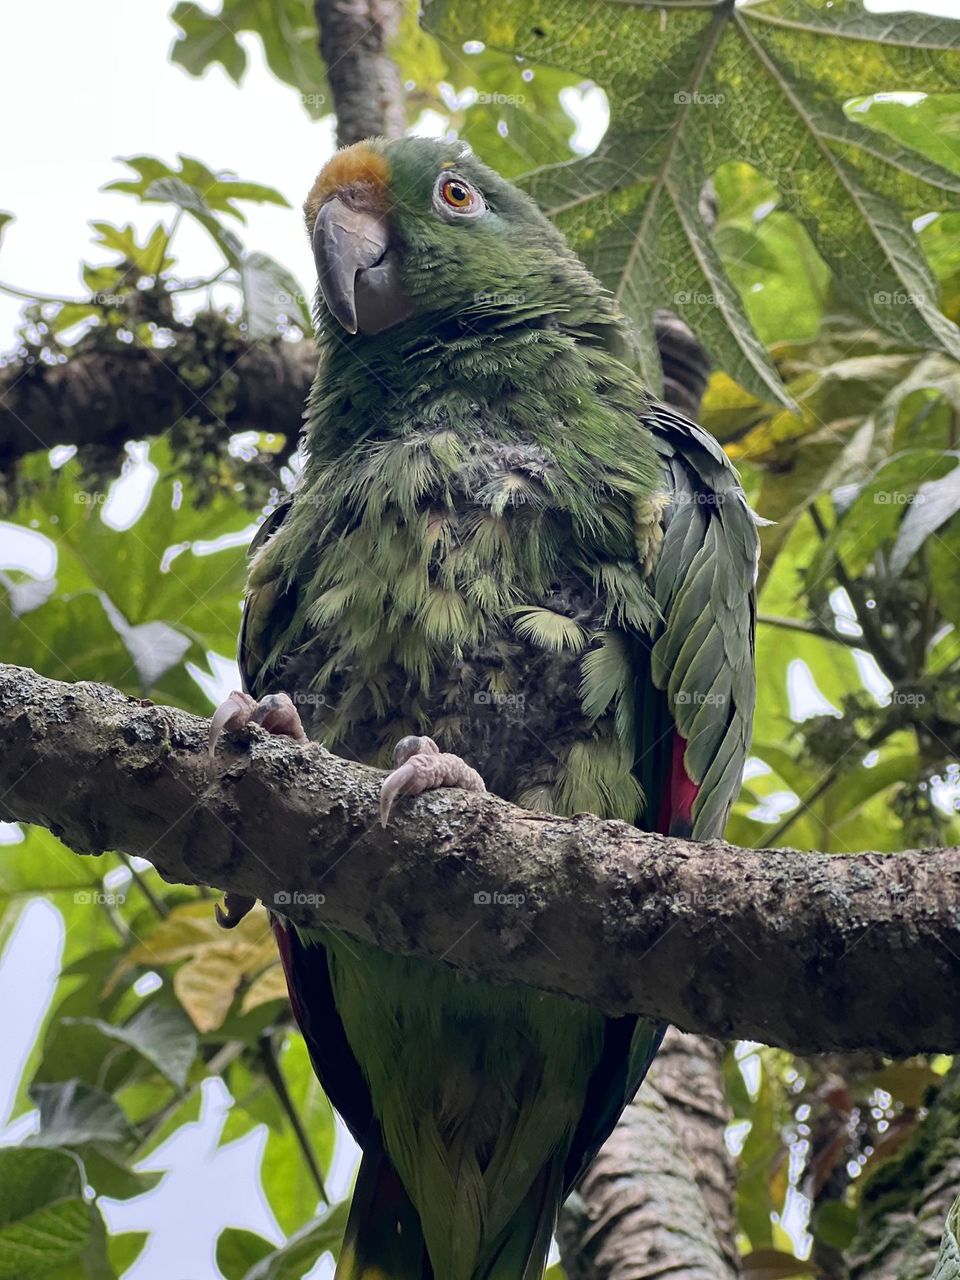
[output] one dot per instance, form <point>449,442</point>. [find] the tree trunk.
<point>355,37</point>
<point>906,1202</point>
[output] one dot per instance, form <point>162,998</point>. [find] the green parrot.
<point>501,540</point>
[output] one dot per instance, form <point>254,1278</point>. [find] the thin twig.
<point>274,1074</point>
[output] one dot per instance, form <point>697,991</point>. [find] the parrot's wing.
<point>306,966</point>
<point>696,691</point>
<point>266,613</point>
<point>630,1044</point>
<point>701,666</point>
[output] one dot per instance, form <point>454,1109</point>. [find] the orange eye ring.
<point>456,194</point>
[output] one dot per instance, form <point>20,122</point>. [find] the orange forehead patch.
<point>358,165</point>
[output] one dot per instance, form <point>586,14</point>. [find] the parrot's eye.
<point>456,196</point>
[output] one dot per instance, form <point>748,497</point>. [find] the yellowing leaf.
<point>270,985</point>
<point>213,961</point>
<point>205,986</point>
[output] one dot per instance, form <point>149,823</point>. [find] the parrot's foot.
<point>419,765</point>
<point>275,713</point>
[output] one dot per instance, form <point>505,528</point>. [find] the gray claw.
<point>233,713</point>
<point>237,905</point>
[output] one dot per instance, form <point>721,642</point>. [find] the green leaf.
<point>287,1181</point>
<point>199,191</point>
<point>834,1224</point>
<point>927,123</point>
<point>875,516</point>
<point>755,83</point>
<point>149,258</point>
<point>44,1219</point>
<point>288,33</point>
<point>74,1113</point>
<point>160,1035</point>
<point>933,505</point>
<point>516,120</point>
<point>270,294</point>
<point>945,570</point>
<point>85,1118</point>
<point>302,1250</point>
<point>760,1151</point>
<point>41,864</point>
<point>5,219</point>
<point>218,190</point>
<point>774,1264</point>
<point>548,629</point>
<point>239,1250</point>
<point>112,586</point>
<point>124,1249</point>
<point>94,1263</point>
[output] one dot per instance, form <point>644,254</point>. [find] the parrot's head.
<point>418,230</point>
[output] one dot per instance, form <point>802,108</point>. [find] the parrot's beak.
<point>359,273</point>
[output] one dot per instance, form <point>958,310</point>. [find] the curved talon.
<point>276,713</point>
<point>421,766</point>
<point>398,783</point>
<point>233,713</point>
<point>237,905</point>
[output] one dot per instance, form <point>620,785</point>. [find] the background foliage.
<point>821,268</point>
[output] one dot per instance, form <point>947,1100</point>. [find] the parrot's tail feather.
<point>520,1252</point>
<point>383,1239</point>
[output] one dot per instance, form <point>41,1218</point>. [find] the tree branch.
<point>808,951</point>
<point>355,36</point>
<point>108,395</point>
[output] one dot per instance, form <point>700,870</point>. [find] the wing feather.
<point>703,658</point>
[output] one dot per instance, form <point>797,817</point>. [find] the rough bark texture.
<point>706,936</point>
<point>107,396</point>
<point>907,1201</point>
<point>656,1200</point>
<point>355,36</point>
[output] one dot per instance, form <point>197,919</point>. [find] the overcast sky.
<point>81,84</point>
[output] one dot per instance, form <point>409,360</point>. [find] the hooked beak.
<point>357,270</point>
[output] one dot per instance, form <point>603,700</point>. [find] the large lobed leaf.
<point>288,32</point>
<point>695,86</point>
